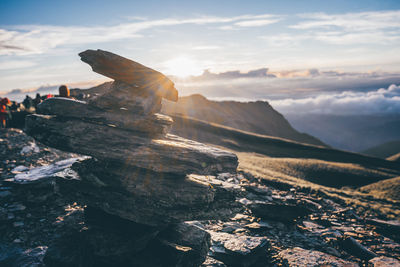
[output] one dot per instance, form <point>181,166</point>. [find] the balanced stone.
<point>127,97</point>
<point>131,72</point>
<point>155,124</point>
<point>170,154</point>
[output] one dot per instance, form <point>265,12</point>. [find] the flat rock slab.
<point>237,250</point>
<point>131,72</point>
<point>124,96</point>
<point>297,256</point>
<point>171,154</point>
<point>156,124</point>
<point>150,198</point>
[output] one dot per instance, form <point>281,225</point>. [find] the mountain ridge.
<point>258,117</point>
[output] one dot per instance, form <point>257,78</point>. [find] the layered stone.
<point>156,124</point>
<point>171,154</point>
<point>130,72</point>
<point>127,97</point>
<point>152,198</point>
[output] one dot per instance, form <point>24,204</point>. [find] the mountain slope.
<point>284,158</point>
<point>384,150</point>
<point>257,117</point>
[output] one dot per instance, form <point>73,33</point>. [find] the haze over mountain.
<point>349,132</point>
<point>385,150</point>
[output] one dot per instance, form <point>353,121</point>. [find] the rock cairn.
<point>139,176</point>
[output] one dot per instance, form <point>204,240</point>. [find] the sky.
<point>287,52</point>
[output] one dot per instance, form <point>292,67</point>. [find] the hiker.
<point>37,100</point>
<point>5,114</point>
<point>28,102</point>
<point>63,91</point>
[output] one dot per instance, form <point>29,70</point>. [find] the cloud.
<point>383,100</point>
<point>36,39</point>
<point>256,23</point>
<point>207,47</point>
<point>16,64</point>
<point>235,74</point>
<point>361,21</point>
<point>381,27</point>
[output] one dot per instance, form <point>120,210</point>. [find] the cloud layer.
<point>383,100</point>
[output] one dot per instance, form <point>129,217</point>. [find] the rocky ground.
<point>279,225</point>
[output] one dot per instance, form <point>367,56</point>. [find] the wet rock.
<point>154,124</point>
<point>237,250</point>
<point>170,154</point>
<point>278,212</point>
<point>351,246</point>
<point>384,262</point>
<point>130,72</point>
<point>297,256</point>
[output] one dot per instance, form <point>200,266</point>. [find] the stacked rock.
<point>138,172</point>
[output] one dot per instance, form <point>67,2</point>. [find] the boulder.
<point>130,72</point>
<point>155,124</point>
<point>237,250</point>
<point>171,154</point>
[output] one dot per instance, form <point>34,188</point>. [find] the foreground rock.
<point>384,262</point>
<point>152,198</point>
<point>301,257</point>
<point>151,125</point>
<point>171,154</point>
<point>237,250</point>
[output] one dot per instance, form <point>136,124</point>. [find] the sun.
<point>182,67</point>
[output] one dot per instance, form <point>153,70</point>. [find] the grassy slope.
<point>318,164</point>
<point>277,160</point>
<point>395,157</point>
<point>389,188</point>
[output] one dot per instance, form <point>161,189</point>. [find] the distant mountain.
<point>349,132</point>
<point>384,150</point>
<point>257,117</point>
